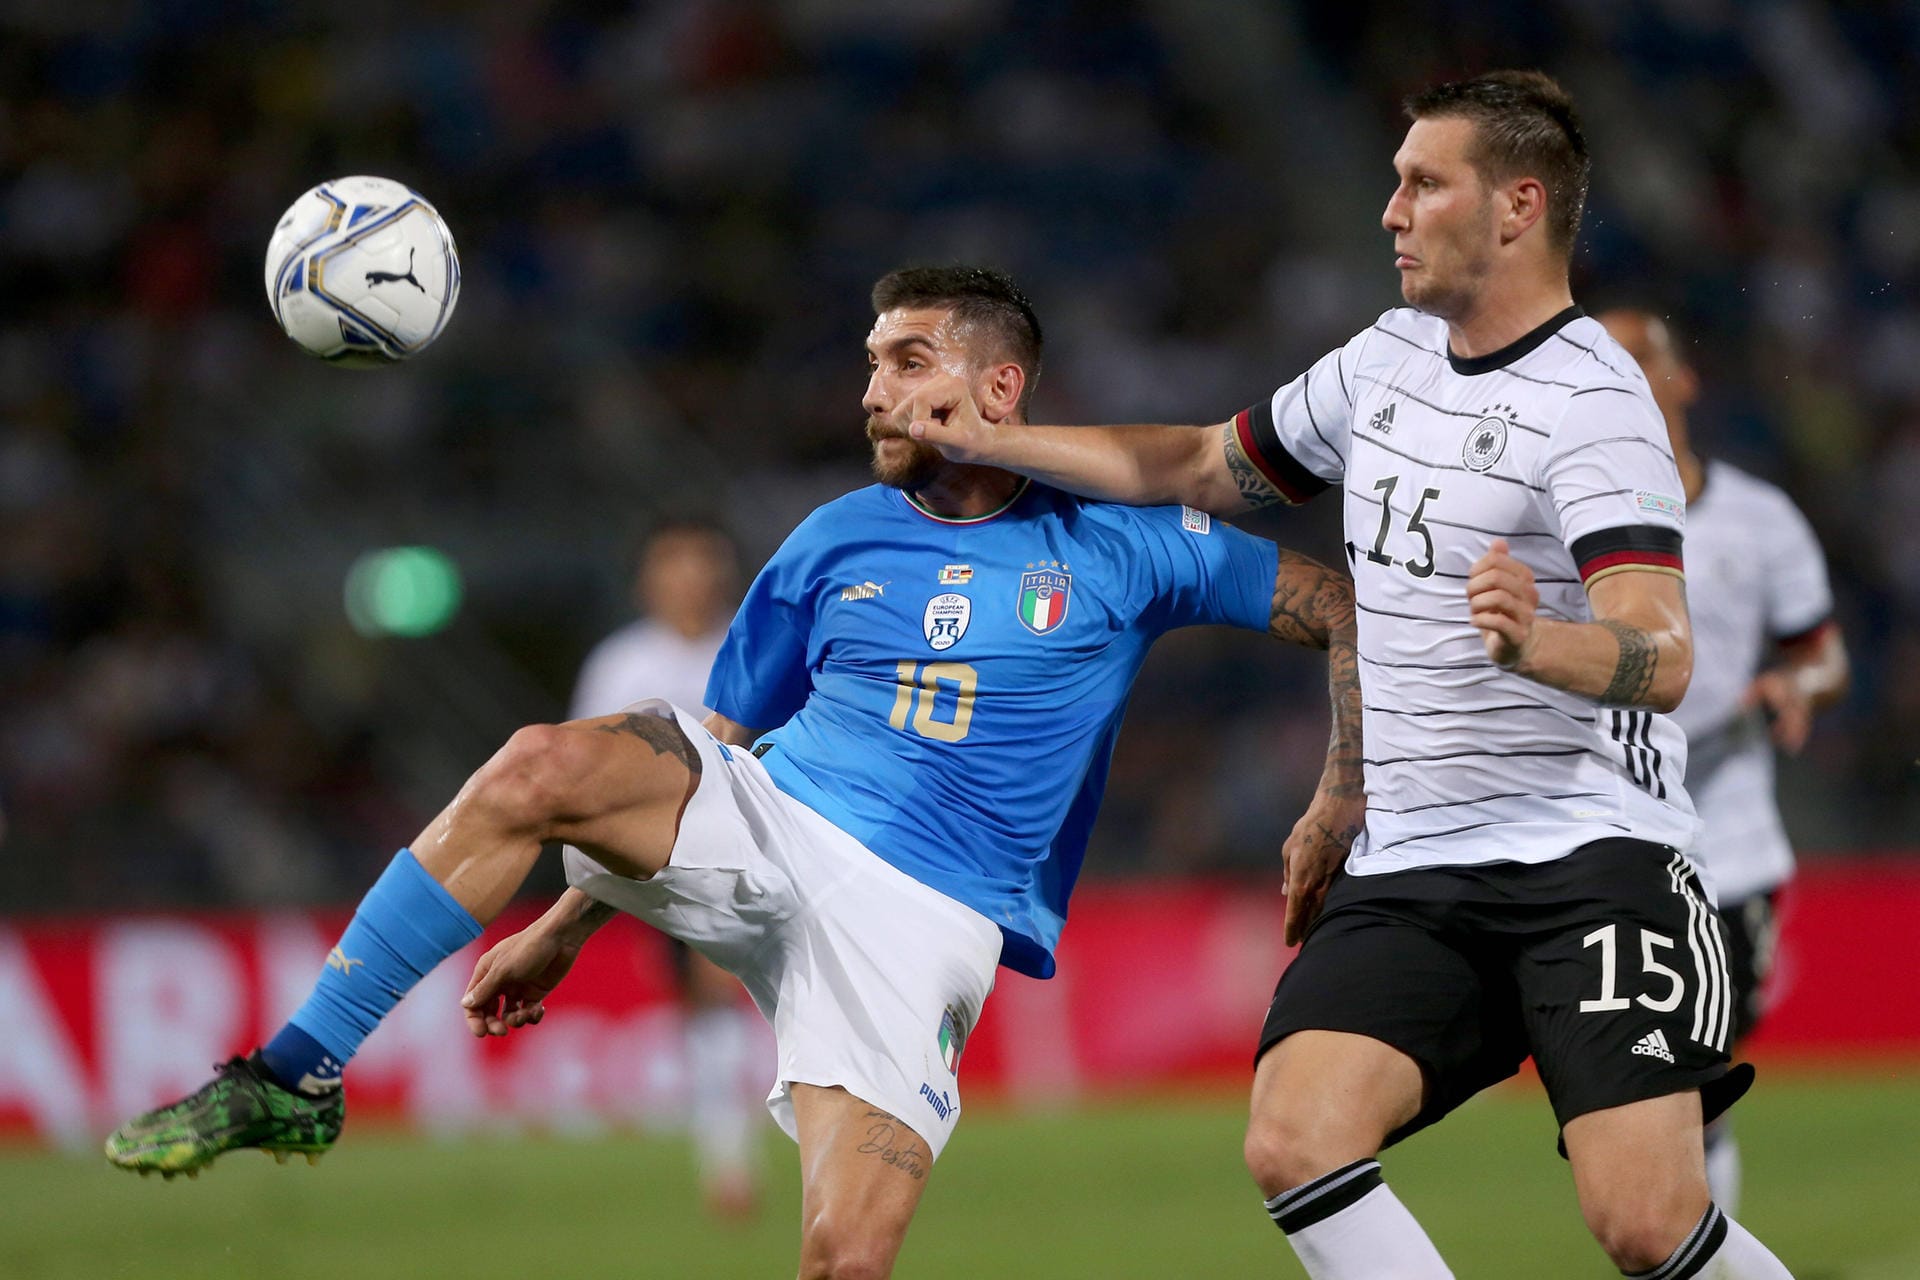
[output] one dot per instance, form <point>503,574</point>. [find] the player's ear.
<point>1688,382</point>
<point>1522,203</point>
<point>1000,388</point>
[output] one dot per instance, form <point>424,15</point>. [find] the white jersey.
<point>645,659</point>
<point>1553,443</point>
<point>1757,579</point>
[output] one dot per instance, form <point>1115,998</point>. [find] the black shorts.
<point>1752,936</point>
<point>1607,966</point>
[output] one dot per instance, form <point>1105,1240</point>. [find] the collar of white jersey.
<point>1019,492</point>
<point>1522,346</point>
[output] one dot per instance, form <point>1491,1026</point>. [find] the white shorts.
<point>872,980</point>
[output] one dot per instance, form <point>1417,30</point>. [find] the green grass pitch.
<point>1145,1187</point>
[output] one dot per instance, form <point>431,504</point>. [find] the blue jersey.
<point>948,691</point>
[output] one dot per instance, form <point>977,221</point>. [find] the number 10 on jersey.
<point>919,695</point>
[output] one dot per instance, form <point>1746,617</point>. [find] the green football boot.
<point>240,1107</point>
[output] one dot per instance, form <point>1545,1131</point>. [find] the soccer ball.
<point>362,271</point>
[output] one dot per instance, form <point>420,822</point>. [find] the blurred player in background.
<point>1513,519</point>
<point>686,582</point>
<point>1770,656</point>
<point>942,660</point>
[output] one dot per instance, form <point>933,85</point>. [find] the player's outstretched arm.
<point>1138,464</point>
<point>1313,605</point>
<point>1638,651</point>
<point>511,982</point>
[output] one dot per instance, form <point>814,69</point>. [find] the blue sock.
<point>405,926</point>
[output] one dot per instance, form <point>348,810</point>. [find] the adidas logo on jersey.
<point>1654,1045</point>
<point>1382,421</point>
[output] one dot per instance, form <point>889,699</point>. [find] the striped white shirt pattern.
<point>1553,443</point>
<point>1756,578</point>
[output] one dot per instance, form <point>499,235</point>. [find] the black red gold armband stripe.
<point>1253,428</point>
<point>1647,548</point>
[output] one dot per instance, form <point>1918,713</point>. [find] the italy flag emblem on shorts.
<point>1043,599</point>
<point>953,1038</point>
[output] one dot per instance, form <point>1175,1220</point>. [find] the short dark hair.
<point>979,298</point>
<point>1525,125</point>
<point>683,524</point>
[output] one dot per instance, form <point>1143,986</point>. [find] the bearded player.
<point>913,715</point>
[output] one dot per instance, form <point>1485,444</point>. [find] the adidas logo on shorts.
<point>1654,1045</point>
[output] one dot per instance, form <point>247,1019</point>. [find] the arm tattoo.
<point>1311,603</point>
<point>1255,489</point>
<point>1633,675</point>
<point>1344,767</point>
<point>1313,606</point>
<point>663,735</point>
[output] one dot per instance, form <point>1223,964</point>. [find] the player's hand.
<point>1315,851</point>
<point>1785,704</point>
<point>941,411</point>
<point>511,982</point>
<point>1502,600</point>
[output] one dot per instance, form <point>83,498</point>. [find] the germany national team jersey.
<point>948,692</point>
<point>1553,443</point>
<point>1759,580</point>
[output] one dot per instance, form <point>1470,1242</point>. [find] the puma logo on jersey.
<point>338,959</point>
<point>868,590</point>
<point>1382,421</point>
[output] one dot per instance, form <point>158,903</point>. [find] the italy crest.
<point>1043,599</point>
<point>953,1037</point>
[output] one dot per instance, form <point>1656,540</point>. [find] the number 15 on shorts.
<point>1607,938</point>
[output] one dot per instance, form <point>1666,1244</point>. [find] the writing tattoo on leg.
<point>892,1143</point>
<point>1633,674</point>
<point>663,735</point>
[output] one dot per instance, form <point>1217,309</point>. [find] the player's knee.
<point>529,782</point>
<point>833,1252</point>
<point>1284,1149</point>
<point>1639,1229</point>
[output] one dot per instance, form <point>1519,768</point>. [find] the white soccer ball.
<point>362,271</point>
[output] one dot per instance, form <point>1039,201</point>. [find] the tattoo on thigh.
<point>893,1143</point>
<point>1633,675</point>
<point>663,735</point>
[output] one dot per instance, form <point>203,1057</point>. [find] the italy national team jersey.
<point>948,692</point>
<point>1553,443</point>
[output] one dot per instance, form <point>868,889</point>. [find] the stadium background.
<point>668,215</point>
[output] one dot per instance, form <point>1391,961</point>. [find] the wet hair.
<point>1525,126</point>
<point>981,300</point>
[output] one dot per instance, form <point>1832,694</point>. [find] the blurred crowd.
<point>669,213</point>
